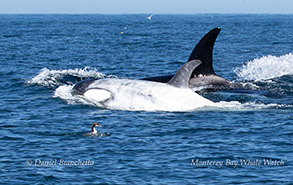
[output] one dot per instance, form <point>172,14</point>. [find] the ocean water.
<point>246,139</point>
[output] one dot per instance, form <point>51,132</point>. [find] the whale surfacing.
<point>127,94</point>
<point>204,74</point>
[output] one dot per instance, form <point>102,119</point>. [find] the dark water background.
<point>39,53</point>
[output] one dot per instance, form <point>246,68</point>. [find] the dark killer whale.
<point>204,74</point>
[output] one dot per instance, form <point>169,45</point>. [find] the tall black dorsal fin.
<point>203,51</point>
<point>182,76</point>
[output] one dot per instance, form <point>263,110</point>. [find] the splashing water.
<point>64,92</point>
<point>53,78</point>
<point>266,67</point>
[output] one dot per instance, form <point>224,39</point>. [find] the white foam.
<point>64,92</point>
<point>51,78</point>
<point>247,106</point>
<point>267,67</point>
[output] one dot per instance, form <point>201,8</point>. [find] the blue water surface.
<point>206,146</point>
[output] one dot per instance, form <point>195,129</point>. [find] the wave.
<point>247,106</point>
<point>54,78</point>
<point>267,67</point>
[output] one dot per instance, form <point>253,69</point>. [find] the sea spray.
<point>266,67</point>
<point>53,78</point>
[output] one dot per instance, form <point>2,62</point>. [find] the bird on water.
<point>94,132</point>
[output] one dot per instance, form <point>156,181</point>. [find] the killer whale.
<point>204,74</point>
<point>131,94</point>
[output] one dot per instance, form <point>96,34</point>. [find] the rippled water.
<point>42,125</point>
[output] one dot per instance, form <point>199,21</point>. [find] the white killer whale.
<point>128,94</point>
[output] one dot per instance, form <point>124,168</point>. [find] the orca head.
<point>90,91</point>
<point>81,87</point>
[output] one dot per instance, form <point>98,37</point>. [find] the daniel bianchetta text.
<point>59,162</point>
<point>237,163</point>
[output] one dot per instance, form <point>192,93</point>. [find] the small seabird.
<point>94,131</point>
<point>150,17</point>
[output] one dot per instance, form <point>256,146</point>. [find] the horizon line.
<point>142,13</point>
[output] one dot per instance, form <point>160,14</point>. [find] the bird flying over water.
<point>150,17</point>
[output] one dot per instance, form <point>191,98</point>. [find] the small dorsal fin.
<point>182,76</point>
<point>203,51</point>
